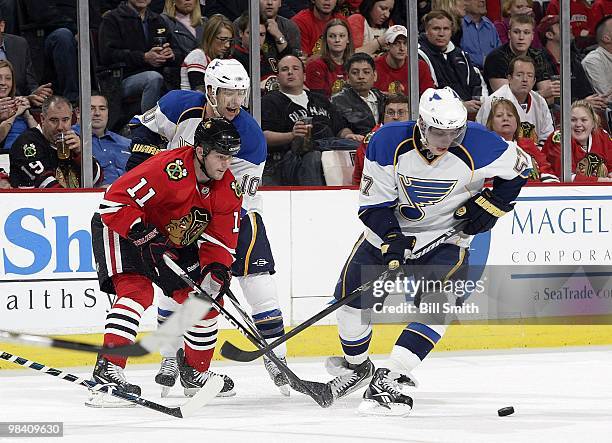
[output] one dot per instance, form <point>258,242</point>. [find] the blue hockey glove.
<point>482,212</point>
<point>396,249</point>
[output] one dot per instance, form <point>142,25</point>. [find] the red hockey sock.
<point>134,295</point>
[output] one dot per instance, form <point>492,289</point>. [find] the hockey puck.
<point>508,410</point>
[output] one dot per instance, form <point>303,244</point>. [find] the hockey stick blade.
<point>232,352</point>
<point>212,387</point>
<point>319,392</point>
<point>188,314</point>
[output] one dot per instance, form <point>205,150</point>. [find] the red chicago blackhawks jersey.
<point>163,191</point>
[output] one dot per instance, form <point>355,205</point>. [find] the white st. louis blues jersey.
<point>424,194</point>
<point>176,117</point>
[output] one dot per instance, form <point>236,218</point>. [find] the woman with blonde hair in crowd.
<point>369,26</point>
<point>326,74</point>
<point>15,116</point>
<point>515,7</point>
<point>456,8</point>
<point>217,42</point>
<point>591,146</point>
<point>505,121</point>
<point>184,19</point>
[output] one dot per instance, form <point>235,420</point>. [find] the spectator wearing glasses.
<point>396,110</point>
<point>216,43</point>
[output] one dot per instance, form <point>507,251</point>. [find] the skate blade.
<point>105,400</point>
<point>165,390</point>
<point>190,392</point>
<point>372,407</point>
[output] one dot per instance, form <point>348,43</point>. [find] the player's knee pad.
<point>259,291</point>
<point>355,332</point>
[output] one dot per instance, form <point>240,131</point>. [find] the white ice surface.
<point>558,395</point>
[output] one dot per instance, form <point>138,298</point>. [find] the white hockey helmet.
<point>225,74</point>
<point>442,109</point>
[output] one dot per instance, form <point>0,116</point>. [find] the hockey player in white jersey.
<point>419,180</point>
<point>171,124</point>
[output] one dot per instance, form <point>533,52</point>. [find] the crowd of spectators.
<point>331,71</point>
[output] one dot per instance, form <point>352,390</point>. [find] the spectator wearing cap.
<point>479,34</point>
<point>368,27</point>
<point>550,35</point>
<point>598,63</point>
<point>359,102</point>
<point>392,68</point>
<point>580,19</point>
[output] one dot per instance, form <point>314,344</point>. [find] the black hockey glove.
<point>396,249</point>
<point>482,212</point>
<point>216,278</point>
<point>152,244</point>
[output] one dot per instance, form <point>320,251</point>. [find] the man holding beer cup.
<point>49,156</point>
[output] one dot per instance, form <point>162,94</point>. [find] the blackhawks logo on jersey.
<point>188,228</point>
<point>237,189</point>
<point>176,170</point>
<point>29,150</point>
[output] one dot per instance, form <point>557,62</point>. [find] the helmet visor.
<point>444,138</point>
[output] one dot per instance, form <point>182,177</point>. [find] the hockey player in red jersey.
<point>184,202</point>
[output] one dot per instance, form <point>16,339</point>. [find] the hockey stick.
<point>319,392</point>
<point>203,396</point>
<point>188,314</point>
<point>232,352</point>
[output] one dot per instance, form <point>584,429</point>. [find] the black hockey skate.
<point>278,377</point>
<point>167,375</point>
<point>355,377</point>
<point>192,379</point>
<point>384,396</point>
<point>106,372</point>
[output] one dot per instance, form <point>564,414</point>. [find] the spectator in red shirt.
<point>370,24</point>
<point>580,19</point>
<point>599,9</point>
<point>504,120</point>
<point>326,74</point>
<point>396,110</point>
<point>591,146</point>
<point>392,68</point>
<point>312,22</point>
